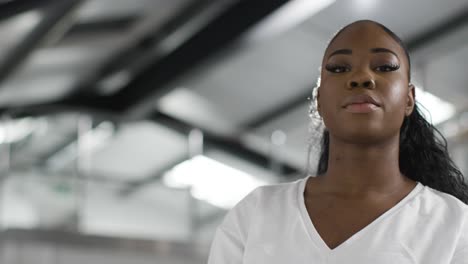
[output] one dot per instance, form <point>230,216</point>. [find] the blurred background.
<point>128,128</point>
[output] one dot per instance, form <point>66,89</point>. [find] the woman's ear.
<point>411,99</point>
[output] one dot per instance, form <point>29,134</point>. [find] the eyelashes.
<point>336,68</point>
<point>388,67</point>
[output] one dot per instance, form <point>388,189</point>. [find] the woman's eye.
<point>336,68</point>
<point>388,67</point>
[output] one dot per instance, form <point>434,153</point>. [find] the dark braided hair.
<point>423,154</point>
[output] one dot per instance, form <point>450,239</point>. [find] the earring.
<point>313,107</point>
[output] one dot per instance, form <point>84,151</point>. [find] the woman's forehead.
<point>364,35</point>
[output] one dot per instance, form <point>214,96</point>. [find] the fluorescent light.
<point>25,22</point>
<point>212,181</point>
<point>435,109</point>
<point>98,137</point>
<point>288,16</point>
<point>16,130</point>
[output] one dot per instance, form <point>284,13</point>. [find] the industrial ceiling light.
<point>16,130</point>
<point>212,181</point>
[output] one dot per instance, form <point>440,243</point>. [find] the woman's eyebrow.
<point>377,50</point>
<point>341,51</point>
<point>373,50</point>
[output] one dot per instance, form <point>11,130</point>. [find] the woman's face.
<point>364,92</point>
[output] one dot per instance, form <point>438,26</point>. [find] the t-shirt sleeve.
<point>230,237</point>
<point>461,252</point>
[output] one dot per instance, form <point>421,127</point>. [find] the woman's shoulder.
<point>278,191</point>
<point>433,199</point>
<point>262,201</point>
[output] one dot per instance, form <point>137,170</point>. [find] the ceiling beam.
<point>52,16</point>
<point>210,40</point>
<point>104,26</point>
<point>86,92</point>
<point>14,8</point>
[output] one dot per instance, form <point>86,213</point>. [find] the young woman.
<point>386,190</point>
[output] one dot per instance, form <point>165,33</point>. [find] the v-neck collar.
<point>315,236</point>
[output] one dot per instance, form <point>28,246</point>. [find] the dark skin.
<point>363,179</point>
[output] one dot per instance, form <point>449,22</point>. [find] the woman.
<point>386,190</point>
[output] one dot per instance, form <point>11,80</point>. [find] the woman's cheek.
<point>396,95</point>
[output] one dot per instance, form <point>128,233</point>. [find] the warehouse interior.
<point>129,128</point>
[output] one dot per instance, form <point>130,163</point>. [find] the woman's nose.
<point>363,81</point>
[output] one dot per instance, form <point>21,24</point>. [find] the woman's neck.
<point>363,169</point>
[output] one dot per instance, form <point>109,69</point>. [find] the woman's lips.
<point>361,108</point>
<point>361,103</point>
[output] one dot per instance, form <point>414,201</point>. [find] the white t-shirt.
<point>271,225</point>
